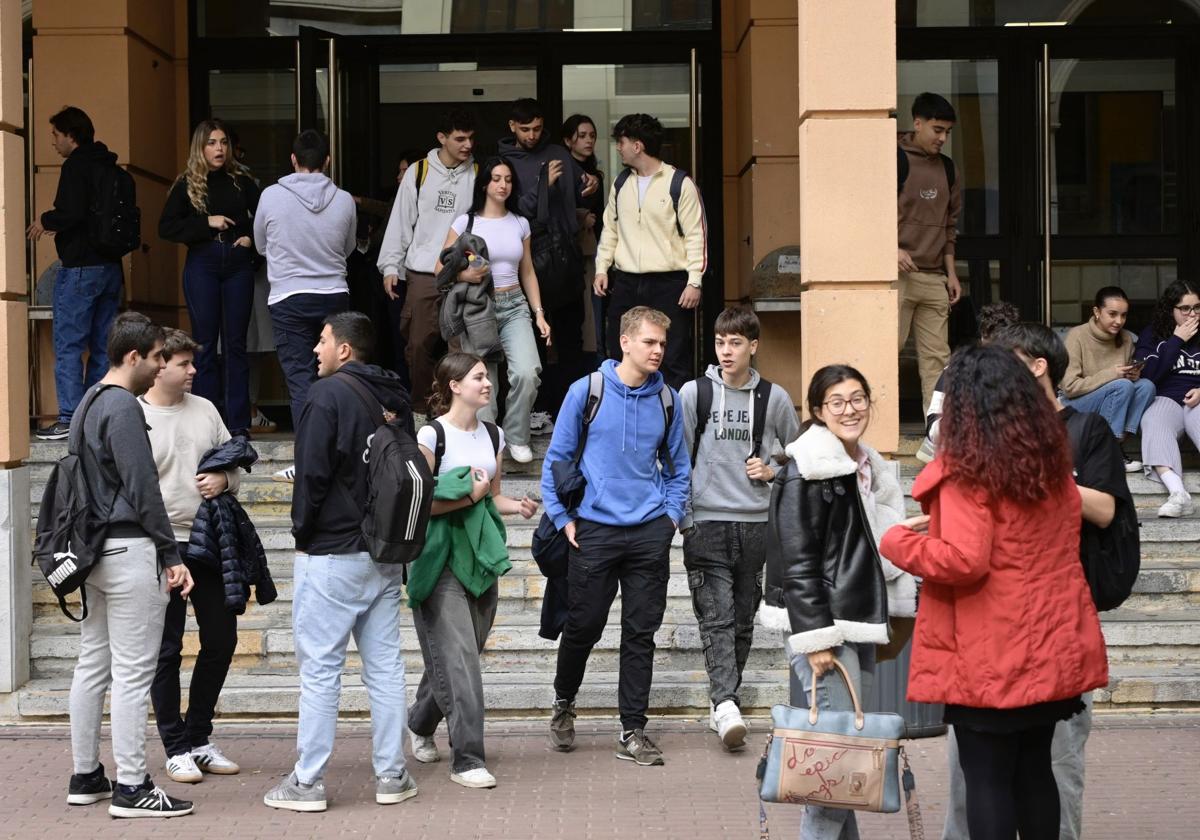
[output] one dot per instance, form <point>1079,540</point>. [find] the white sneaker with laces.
<point>520,454</point>
<point>730,726</point>
<point>262,423</point>
<point>210,759</point>
<point>424,748</point>
<point>477,778</point>
<point>287,474</point>
<point>1177,505</point>
<point>182,768</point>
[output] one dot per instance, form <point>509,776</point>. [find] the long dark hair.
<point>1163,321</point>
<point>453,367</point>
<point>570,126</point>
<point>999,433</point>
<point>484,177</point>
<point>1102,297</point>
<point>826,378</point>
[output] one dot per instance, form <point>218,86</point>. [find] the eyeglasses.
<point>1189,310</point>
<point>837,405</point>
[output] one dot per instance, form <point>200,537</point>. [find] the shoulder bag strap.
<point>762,400</point>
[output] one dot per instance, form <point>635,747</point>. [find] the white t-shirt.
<point>643,185</point>
<point>463,449</point>
<point>505,238</point>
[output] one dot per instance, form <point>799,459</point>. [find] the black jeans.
<point>1010,783</point>
<point>659,291</point>
<point>218,639</point>
<point>298,321</point>
<point>638,558</point>
<point>566,344</point>
<point>724,562</point>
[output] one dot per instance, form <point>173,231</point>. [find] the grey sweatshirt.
<point>305,227</point>
<point>113,432</point>
<point>721,490</point>
<point>420,219</point>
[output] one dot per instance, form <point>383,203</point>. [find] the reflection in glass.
<point>260,106</point>
<point>1071,12</point>
<point>1075,283</point>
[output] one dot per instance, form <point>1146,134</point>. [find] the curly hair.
<point>196,173</point>
<point>999,433</point>
<point>1163,320</point>
<point>453,367</point>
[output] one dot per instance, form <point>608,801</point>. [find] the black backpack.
<point>704,398</point>
<point>902,167</point>
<point>399,488</point>
<point>439,446</point>
<point>115,221</point>
<point>70,536</point>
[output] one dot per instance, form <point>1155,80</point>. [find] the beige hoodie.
<point>928,208</point>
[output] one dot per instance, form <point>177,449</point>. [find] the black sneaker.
<point>89,789</point>
<point>637,747</point>
<point>147,801</point>
<point>55,431</point>
<point>562,726</point>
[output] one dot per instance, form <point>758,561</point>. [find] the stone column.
<point>848,198</point>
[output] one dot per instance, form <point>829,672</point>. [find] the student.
<point>126,594</point>
<point>1009,637</point>
<point>454,597</point>
<point>1172,354</point>
<point>87,287</point>
<point>637,472</point>
<point>339,590</point>
<point>825,584</point>
<point>433,193</point>
<point>182,429</point>
<point>655,249</point>
<point>209,210</point>
<point>492,218</point>
<point>929,204</point>
<point>724,535</point>
<point>579,136</point>
<point>1100,377</point>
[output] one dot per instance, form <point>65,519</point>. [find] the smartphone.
<point>1137,364</point>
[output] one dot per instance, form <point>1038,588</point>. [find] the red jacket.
<point>1005,617</point>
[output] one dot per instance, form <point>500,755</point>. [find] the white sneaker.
<point>182,768</point>
<point>262,423</point>
<point>1176,505</point>
<point>287,474</point>
<point>520,454</point>
<point>730,725</point>
<point>477,778</point>
<point>420,420</point>
<point>1132,466</point>
<point>712,718</point>
<point>540,423</point>
<point>210,759</point>
<point>927,452</point>
<point>424,748</point>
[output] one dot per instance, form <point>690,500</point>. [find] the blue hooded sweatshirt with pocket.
<point>625,484</point>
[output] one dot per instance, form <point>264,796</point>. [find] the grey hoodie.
<point>305,228</point>
<point>721,489</point>
<point>420,219</point>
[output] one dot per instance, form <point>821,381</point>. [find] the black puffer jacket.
<point>824,582</point>
<point>223,537</point>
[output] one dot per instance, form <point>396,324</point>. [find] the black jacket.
<point>183,223</point>
<point>329,498</point>
<point>70,216</point>
<point>529,167</point>
<point>824,583</point>
<point>224,539</point>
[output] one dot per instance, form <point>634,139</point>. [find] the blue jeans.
<point>218,285</point>
<point>86,300</point>
<point>337,596</point>
<point>521,353</point>
<point>298,321</point>
<point>1121,402</point>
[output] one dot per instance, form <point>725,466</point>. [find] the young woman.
<point>1171,352</point>
<point>493,217</point>
<point>579,136</point>
<point>209,209</point>
<point>1007,637</point>
<point>452,623</point>
<point>827,585</point>
<point>1100,377</point>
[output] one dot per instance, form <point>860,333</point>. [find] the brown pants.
<point>423,347</point>
<point>925,311</point>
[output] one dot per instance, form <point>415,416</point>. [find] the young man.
<point>339,590</point>
<point>929,204</point>
<point>1100,476</point>
<point>182,428</point>
<point>433,193</point>
<point>724,538</point>
<point>655,250</point>
<point>621,532</point>
<point>126,594</point>
<point>87,289</point>
<point>305,226</point>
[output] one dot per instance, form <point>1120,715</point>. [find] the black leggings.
<point>1010,783</point>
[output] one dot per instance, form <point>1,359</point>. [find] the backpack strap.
<point>677,179</point>
<point>439,446</point>
<point>470,221</point>
<point>494,435</point>
<point>704,398</point>
<point>666,398</point>
<point>619,182</point>
<point>902,167</point>
<point>948,163</point>
<point>422,174</point>
<point>373,405</point>
<point>591,408</point>
<point>762,399</point>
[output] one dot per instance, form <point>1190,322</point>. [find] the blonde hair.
<point>632,320</point>
<point>196,171</point>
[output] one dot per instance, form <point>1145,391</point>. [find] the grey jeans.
<point>524,367</point>
<point>1067,757</point>
<point>452,627</point>
<point>118,646</point>
<point>724,562</point>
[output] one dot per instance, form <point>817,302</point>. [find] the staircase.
<point>1154,639</point>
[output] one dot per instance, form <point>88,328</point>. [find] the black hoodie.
<point>69,218</point>
<point>528,169</point>
<point>330,494</point>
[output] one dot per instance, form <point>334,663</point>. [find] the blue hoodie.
<point>625,485</point>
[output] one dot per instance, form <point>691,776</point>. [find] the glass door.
<point>337,92</point>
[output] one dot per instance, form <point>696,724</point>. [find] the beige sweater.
<point>1094,358</point>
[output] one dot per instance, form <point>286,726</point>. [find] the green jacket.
<point>472,539</point>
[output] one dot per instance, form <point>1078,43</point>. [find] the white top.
<point>463,449</point>
<point>643,185</point>
<point>505,238</point>
<point>180,435</point>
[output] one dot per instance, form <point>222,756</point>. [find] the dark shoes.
<point>562,726</point>
<point>637,747</point>
<point>147,801</point>
<point>55,431</point>
<point>89,789</point>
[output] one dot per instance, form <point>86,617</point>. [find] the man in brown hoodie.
<point>929,204</point>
